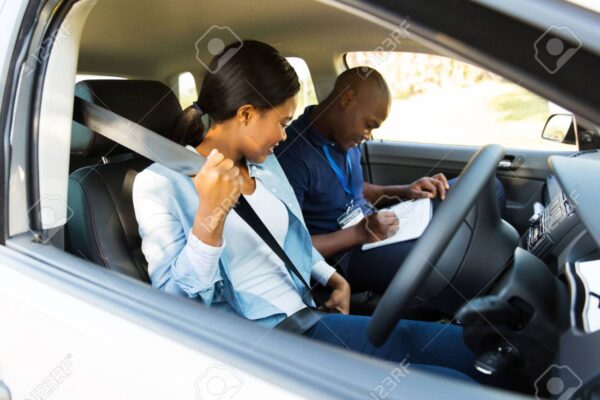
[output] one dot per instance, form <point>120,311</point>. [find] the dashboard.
<point>565,233</point>
<point>558,236</point>
<point>555,224</point>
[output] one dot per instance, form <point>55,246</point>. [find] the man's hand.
<point>428,187</point>
<point>339,302</point>
<point>378,226</point>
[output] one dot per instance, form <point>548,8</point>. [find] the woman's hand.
<point>339,302</point>
<point>219,185</point>
<point>378,226</point>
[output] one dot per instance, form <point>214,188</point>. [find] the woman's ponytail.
<point>187,128</point>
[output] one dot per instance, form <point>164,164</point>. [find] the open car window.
<point>440,100</point>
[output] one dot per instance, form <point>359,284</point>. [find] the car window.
<point>187,92</point>
<point>307,95</point>
<point>441,100</point>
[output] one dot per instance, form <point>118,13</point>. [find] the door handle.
<point>510,163</point>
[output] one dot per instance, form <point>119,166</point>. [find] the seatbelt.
<point>173,156</point>
<point>136,138</point>
<point>247,213</point>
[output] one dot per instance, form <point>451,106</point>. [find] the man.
<point>321,158</point>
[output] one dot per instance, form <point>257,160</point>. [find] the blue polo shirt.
<point>317,187</point>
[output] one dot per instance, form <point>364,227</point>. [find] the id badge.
<point>352,216</point>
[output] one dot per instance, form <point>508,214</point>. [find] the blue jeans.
<point>374,269</point>
<point>430,346</point>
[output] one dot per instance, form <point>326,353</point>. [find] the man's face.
<point>359,115</point>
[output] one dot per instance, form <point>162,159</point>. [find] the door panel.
<point>71,327</point>
<point>400,163</point>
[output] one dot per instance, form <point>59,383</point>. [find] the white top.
<point>260,271</point>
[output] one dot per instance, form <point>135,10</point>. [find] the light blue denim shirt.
<point>165,204</point>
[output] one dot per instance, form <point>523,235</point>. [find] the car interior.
<point>503,280</point>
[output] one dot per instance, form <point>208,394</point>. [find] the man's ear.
<point>348,98</point>
<point>245,113</point>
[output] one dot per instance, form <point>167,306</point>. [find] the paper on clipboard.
<point>414,216</point>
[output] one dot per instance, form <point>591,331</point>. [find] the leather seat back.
<point>103,228</point>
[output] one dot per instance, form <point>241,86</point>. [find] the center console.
<point>550,225</point>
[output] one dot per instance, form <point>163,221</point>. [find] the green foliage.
<point>519,104</point>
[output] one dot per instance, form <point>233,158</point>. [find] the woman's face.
<point>265,129</point>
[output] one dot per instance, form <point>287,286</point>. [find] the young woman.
<point>198,248</point>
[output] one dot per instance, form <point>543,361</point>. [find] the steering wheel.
<point>426,252</point>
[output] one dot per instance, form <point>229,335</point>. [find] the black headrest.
<point>148,103</point>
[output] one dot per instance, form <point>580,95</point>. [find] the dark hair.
<point>252,73</point>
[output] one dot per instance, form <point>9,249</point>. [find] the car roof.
<point>156,39</point>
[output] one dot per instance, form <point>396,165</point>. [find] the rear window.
<point>307,95</point>
<point>187,92</point>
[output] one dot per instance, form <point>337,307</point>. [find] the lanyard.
<point>346,184</point>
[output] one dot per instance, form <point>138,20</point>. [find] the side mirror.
<point>560,128</point>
